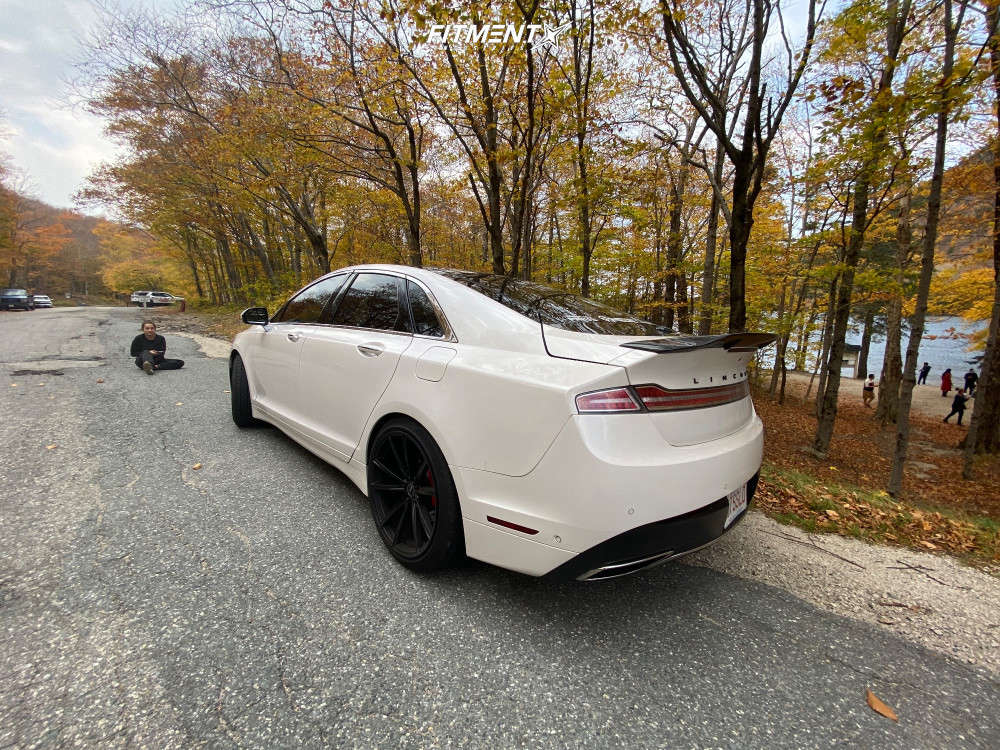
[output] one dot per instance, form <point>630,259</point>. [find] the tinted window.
<point>307,305</point>
<point>373,302</point>
<point>565,310</point>
<point>425,320</point>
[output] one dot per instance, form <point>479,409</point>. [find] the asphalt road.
<point>250,604</point>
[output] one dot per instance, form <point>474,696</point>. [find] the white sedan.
<point>521,425</point>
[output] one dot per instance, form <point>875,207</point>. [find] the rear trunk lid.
<point>689,364</point>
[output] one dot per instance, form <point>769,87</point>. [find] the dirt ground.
<point>861,451</point>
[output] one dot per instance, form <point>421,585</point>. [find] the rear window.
<point>554,307</point>
<point>373,302</point>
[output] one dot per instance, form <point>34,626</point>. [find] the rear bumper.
<point>608,490</point>
<point>654,543</point>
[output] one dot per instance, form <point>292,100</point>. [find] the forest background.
<point>717,165</point>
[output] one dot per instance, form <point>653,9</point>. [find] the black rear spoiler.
<point>731,342</point>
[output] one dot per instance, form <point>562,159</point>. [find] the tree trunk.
<point>984,427</point>
<point>739,236</point>
<point>866,344</point>
<point>824,358</point>
<point>887,409</point>
<point>859,221</point>
<point>927,257</point>
<point>708,272</point>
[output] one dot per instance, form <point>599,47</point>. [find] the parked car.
<point>15,299</point>
<point>41,300</point>
<point>524,426</point>
<point>151,299</point>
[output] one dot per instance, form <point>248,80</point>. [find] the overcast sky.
<point>56,144</point>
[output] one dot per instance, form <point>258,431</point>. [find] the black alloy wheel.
<point>413,497</point>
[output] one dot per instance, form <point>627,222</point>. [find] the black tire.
<point>239,395</point>
<point>413,497</point>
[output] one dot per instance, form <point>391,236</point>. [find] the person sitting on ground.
<point>971,379</point>
<point>945,382</point>
<point>868,391</point>
<point>148,349</point>
<point>957,406</point>
<point>924,372</point>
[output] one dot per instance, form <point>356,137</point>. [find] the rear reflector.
<point>656,398</point>
<point>512,525</point>
<point>601,402</point>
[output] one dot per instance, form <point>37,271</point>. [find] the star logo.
<point>550,34</point>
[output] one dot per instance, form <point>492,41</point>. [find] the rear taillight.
<point>655,398</point>
<point>602,402</point>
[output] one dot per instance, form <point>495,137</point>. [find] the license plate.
<point>737,504</point>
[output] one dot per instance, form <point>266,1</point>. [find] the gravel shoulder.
<point>933,600</point>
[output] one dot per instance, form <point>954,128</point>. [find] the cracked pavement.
<point>249,603</point>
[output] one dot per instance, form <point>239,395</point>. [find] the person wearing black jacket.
<point>957,406</point>
<point>148,349</point>
<point>971,379</point>
<point>924,372</point>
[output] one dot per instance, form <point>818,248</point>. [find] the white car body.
<point>542,487</point>
<point>153,299</point>
<point>41,300</point>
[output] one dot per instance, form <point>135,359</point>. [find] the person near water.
<point>945,382</point>
<point>924,372</point>
<point>868,391</point>
<point>957,405</point>
<point>148,349</point>
<point>971,379</point>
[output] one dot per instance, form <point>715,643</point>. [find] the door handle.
<point>370,350</point>
<point>292,336</point>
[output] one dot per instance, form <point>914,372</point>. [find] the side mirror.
<point>255,316</point>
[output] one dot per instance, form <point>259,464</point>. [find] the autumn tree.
<point>692,46</point>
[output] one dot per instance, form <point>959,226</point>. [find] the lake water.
<point>945,343</point>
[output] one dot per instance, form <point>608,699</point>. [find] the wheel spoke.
<point>399,526</point>
<point>417,526</point>
<point>397,508</point>
<point>400,463</point>
<point>425,491</point>
<point>418,475</point>
<point>378,464</point>
<point>425,520</point>
<point>387,486</point>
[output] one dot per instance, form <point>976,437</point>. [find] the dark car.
<point>15,298</point>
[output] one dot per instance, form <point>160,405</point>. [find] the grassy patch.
<point>818,505</point>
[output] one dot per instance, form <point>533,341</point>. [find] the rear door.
<point>346,365</point>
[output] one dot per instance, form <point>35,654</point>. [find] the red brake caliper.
<point>434,499</point>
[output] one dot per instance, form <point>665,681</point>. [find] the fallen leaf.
<point>196,467</point>
<point>928,545</point>
<point>41,385</point>
<point>50,447</point>
<point>100,380</point>
<point>13,385</point>
<point>832,514</point>
<point>879,707</point>
<point>226,391</point>
<point>179,403</point>
<point>833,468</point>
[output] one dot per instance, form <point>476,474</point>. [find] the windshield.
<point>553,307</point>
<point>15,292</point>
